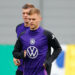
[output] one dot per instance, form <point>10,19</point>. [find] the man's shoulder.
<point>19,25</point>
<point>47,32</point>
<point>22,33</point>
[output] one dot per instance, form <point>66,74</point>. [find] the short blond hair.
<point>26,6</point>
<point>34,11</point>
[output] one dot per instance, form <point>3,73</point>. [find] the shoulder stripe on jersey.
<point>22,33</point>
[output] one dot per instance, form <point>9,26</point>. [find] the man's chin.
<point>27,22</point>
<point>32,28</point>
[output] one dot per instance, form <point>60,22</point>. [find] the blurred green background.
<point>7,66</point>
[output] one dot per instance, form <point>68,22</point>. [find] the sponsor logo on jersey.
<point>32,52</point>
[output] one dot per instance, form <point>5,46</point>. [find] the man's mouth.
<point>26,22</point>
<point>31,24</point>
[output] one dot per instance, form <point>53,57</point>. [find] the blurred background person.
<point>19,29</point>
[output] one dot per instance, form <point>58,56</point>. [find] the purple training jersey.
<point>37,44</point>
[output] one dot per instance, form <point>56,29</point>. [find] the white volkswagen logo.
<point>32,52</point>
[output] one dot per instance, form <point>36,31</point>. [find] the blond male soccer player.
<point>34,47</point>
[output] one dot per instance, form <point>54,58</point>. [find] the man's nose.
<point>25,15</point>
<point>31,21</point>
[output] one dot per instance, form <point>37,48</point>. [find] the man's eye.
<point>33,19</point>
<point>29,19</point>
<point>23,13</point>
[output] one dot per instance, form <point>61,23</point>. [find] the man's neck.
<point>34,28</point>
<point>26,24</point>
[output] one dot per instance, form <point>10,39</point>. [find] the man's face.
<point>34,21</point>
<point>25,15</point>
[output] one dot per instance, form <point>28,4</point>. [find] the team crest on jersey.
<point>32,41</point>
<point>32,52</point>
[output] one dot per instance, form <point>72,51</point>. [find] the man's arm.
<point>56,50</point>
<point>18,53</point>
<point>52,42</point>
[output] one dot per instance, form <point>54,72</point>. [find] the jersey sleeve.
<point>18,53</point>
<point>52,42</point>
<point>56,48</point>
